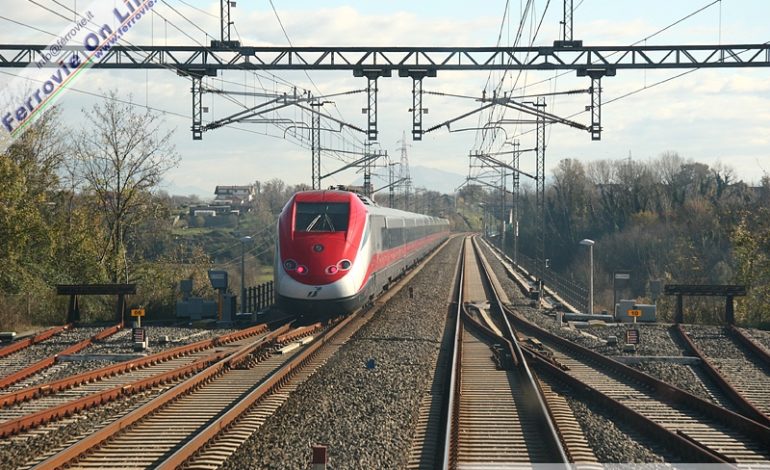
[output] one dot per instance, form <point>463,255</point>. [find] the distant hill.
<point>432,179</point>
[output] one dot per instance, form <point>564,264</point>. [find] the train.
<point>336,250</point>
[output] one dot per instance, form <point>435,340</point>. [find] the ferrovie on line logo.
<point>83,42</point>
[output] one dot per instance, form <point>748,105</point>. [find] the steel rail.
<point>663,392</point>
<point>34,339</point>
<point>743,404</point>
<point>449,454</point>
<point>519,404</point>
<point>125,366</point>
<point>692,451</point>
<point>278,378</point>
<point>545,415</point>
<point>113,392</point>
<point>32,420</point>
<point>47,362</point>
<point>750,344</point>
<point>219,366</point>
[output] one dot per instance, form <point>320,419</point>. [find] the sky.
<point>710,116</point>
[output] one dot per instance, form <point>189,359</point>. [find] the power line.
<point>650,36</point>
<point>28,26</point>
<point>199,9</point>
<point>288,39</point>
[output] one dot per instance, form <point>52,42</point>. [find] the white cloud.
<point>705,115</point>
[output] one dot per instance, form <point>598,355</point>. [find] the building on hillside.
<point>235,195</point>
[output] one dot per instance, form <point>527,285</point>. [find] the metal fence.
<point>573,292</point>
<point>260,297</point>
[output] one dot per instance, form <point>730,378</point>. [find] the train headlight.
<point>301,269</point>
<point>332,270</point>
<point>290,265</point>
<point>344,265</point>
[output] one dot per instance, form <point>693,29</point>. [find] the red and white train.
<point>336,250</point>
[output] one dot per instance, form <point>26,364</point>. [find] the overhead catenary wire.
<point>295,135</point>
<point>291,44</point>
<point>169,67</point>
<point>167,21</point>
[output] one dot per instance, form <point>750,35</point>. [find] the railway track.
<point>711,433</point>
<point>26,409</point>
<point>744,374</point>
<point>201,421</point>
<point>697,429</point>
<point>23,343</point>
<point>496,414</point>
<point>41,355</point>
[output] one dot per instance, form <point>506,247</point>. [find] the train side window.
<point>321,216</point>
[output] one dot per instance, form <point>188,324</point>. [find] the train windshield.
<point>321,217</point>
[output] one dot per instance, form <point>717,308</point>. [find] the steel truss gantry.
<point>414,62</point>
<point>407,59</point>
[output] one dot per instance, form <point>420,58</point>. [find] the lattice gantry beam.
<point>406,59</point>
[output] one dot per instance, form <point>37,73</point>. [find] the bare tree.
<point>122,155</point>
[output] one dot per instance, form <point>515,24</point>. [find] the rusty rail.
<point>178,458</point>
<point>662,389</point>
<point>694,452</point>
<point>298,333</point>
<point>746,407</point>
<point>73,452</point>
<point>24,423</point>
<point>51,360</point>
<point>750,344</point>
<point>27,342</point>
<point>126,366</point>
<point>15,426</point>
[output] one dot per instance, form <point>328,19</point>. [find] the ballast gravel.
<point>365,416</point>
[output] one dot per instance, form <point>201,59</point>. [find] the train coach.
<point>336,250</point>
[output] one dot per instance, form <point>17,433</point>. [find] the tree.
<point>751,245</point>
<point>122,156</point>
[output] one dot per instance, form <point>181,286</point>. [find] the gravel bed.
<point>678,375</point>
<point>509,286</point>
<point>612,440</point>
<point>714,341</point>
<point>121,342</point>
<point>366,417</point>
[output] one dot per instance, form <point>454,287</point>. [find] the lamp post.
<point>590,245</point>
<point>244,240</point>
